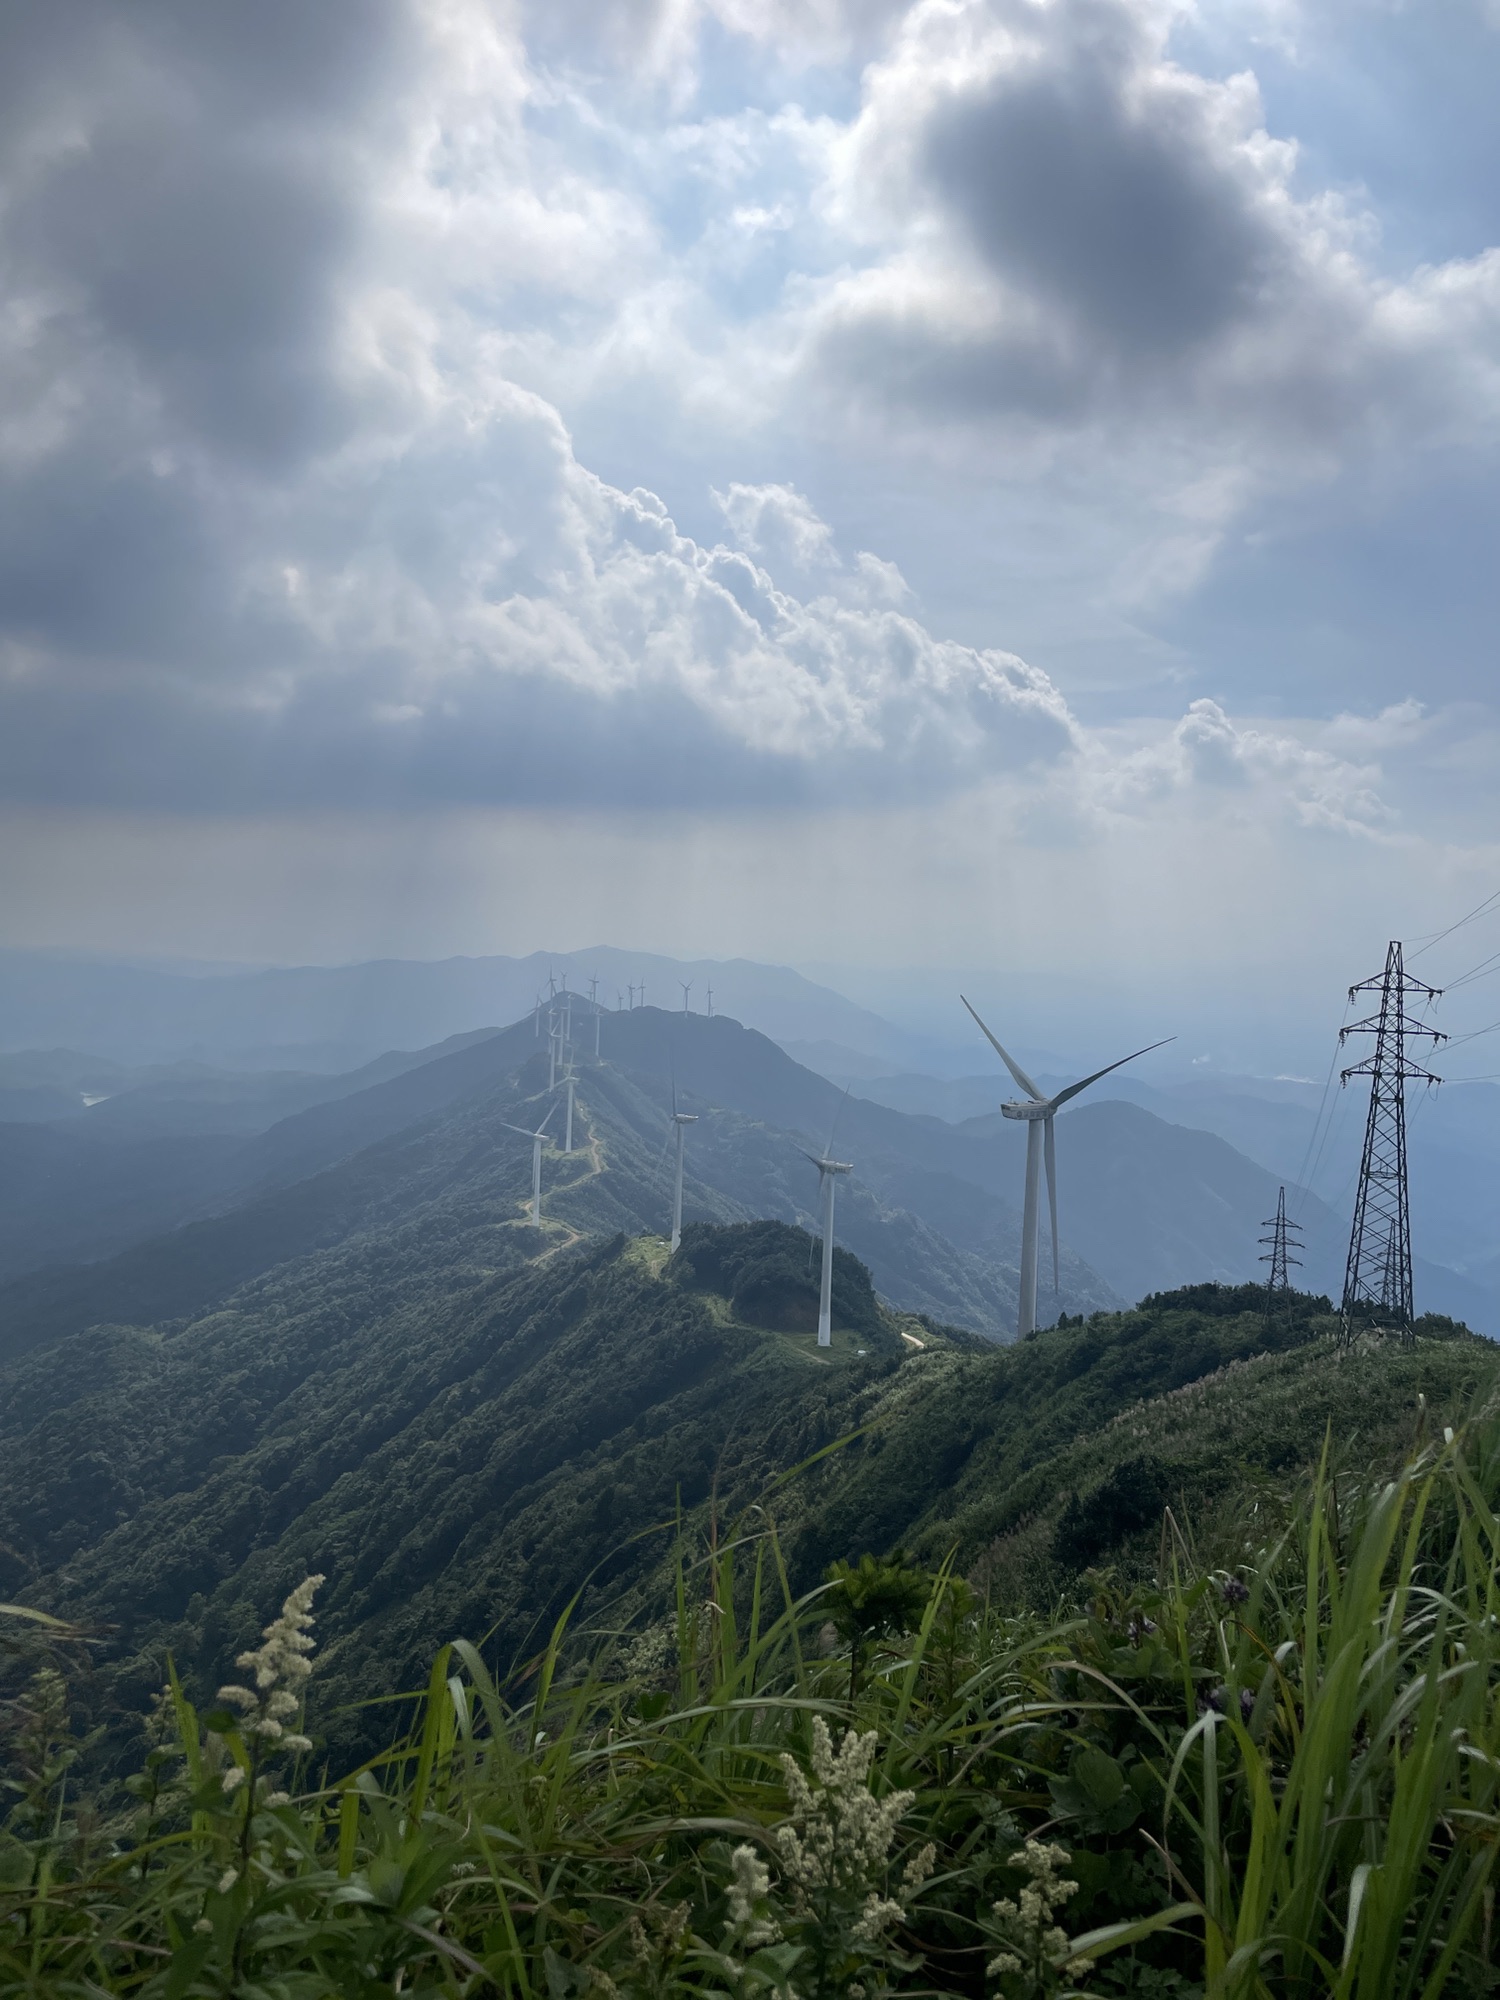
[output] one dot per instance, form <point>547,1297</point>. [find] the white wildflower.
<point>227,1880</point>
<point>282,1659</point>
<point>203,1927</point>
<point>836,1846</point>
<point>280,1666</point>
<point>749,1887</point>
<point>278,1798</point>
<point>1031,1936</point>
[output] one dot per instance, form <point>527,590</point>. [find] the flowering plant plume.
<point>1035,1945</point>
<point>835,1850</point>
<point>280,1666</point>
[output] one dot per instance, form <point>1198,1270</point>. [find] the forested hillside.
<point>465,1456</point>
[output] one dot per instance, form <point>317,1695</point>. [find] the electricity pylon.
<point>1283,1240</point>
<point>1377,1279</point>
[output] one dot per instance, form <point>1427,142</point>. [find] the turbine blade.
<point>1015,1068</point>
<point>1074,1088</point>
<point>811,1156</point>
<point>1051,1145</point>
<point>546,1121</point>
<point>517,1128</point>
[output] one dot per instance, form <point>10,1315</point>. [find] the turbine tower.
<point>1038,1112</point>
<point>632,996</point>
<point>829,1170</point>
<point>570,1080</point>
<point>537,1139</point>
<point>710,1003</point>
<point>687,987</point>
<point>680,1120</point>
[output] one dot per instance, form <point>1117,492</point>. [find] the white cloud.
<point>1062,225</point>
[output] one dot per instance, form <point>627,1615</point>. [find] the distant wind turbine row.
<point>1036,1110</point>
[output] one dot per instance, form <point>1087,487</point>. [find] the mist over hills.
<point>332,1018</point>
<point>99,1223</point>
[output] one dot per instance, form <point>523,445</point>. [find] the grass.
<point>1272,1778</point>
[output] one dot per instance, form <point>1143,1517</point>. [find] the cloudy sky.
<point>989,483</point>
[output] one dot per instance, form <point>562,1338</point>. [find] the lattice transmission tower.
<point>1285,1237</point>
<point>1377,1279</point>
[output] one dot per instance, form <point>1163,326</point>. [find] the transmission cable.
<point>1436,937</point>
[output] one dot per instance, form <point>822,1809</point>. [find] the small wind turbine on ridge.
<point>1038,1113</point>
<point>537,1139</point>
<point>710,1003</point>
<point>687,987</point>
<point>829,1170</point>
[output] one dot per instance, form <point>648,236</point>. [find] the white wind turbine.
<point>680,1122</point>
<point>829,1170</point>
<point>1038,1112</point>
<point>687,987</point>
<point>570,1080</point>
<point>537,1139</point>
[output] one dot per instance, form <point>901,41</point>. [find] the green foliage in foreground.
<point>1277,1778</point>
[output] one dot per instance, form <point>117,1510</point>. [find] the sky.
<point>1006,485</point>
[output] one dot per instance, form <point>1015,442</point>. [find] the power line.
<point>1436,937</point>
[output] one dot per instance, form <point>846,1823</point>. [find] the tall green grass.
<point>1276,1778</point>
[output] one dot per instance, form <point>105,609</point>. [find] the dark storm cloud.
<point>1118,206</point>
<point>182,191</point>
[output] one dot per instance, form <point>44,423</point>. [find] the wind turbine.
<point>829,1170</point>
<point>710,1003</point>
<point>537,1137</point>
<point>1038,1112</point>
<point>687,987</point>
<point>680,1120</point>
<point>569,1079</point>
<point>632,996</point>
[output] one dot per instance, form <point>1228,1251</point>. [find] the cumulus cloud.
<point>1208,756</point>
<point>1064,224</point>
<point>284,516</point>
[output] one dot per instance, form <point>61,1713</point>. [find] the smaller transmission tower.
<point>1377,1279</point>
<point>1285,1237</point>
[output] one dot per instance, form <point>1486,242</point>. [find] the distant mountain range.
<point>334,1018</point>
<point>99,1153</point>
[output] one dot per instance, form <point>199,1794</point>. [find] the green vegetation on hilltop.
<point>462,1450</point>
<point>1272,1779</point>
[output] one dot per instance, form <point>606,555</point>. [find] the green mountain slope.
<point>462,1448</point>
<point>460,1457</point>
<point>434,1139</point>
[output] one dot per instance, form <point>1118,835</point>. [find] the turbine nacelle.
<point>1022,1107</point>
